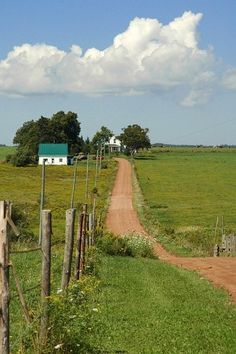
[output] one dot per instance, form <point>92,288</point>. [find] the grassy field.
<point>6,150</point>
<point>185,190</point>
<point>140,306</point>
<point>146,306</point>
<point>22,187</point>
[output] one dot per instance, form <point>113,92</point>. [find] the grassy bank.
<point>184,191</point>
<point>146,306</point>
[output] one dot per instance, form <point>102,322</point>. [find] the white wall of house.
<point>114,144</point>
<point>53,160</point>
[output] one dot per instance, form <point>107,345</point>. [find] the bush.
<point>74,317</point>
<point>92,261</point>
<point>22,157</point>
<point>133,245</point>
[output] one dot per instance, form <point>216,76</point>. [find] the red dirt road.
<point>122,219</point>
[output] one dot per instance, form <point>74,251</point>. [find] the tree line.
<point>65,128</point>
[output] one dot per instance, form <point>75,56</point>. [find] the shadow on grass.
<point>145,158</point>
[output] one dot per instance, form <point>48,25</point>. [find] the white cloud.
<point>229,81</point>
<point>148,56</point>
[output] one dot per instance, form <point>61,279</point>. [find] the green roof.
<point>53,149</point>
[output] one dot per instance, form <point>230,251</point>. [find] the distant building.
<point>114,144</point>
<point>54,154</point>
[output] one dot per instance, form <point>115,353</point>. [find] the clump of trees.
<point>65,128</point>
<point>60,128</point>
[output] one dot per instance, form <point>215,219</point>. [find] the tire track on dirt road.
<point>122,219</point>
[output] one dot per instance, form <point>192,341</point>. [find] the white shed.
<point>54,154</point>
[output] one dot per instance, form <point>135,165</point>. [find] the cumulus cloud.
<point>148,56</point>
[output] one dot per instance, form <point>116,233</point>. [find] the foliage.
<point>92,261</point>
<point>22,157</point>
<point>133,245</point>
<point>60,128</point>
<point>85,145</point>
<point>100,138</point>
<point>184,191</point>
<point>135,138</point>
<point>73,318</point>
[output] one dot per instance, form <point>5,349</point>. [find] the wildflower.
<point>58,346</point>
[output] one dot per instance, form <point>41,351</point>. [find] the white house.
<point>54,154</point>
<point>114,144</point>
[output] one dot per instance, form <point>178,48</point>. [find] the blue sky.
<point>175,74</point>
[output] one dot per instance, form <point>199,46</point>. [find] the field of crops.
<point>185,190</point>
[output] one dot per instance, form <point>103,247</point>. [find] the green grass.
<point>185,190</point>
<point>146,306</point>
<point>6,150</point>
<point>22,187</point>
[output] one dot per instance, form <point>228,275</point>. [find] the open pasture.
<point>185,190</point>
<point>22,186</point>
<point>6,150</point>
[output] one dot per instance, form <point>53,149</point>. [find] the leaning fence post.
<point>69,242</point>
<point>46,271</point>
<point>4,280</point>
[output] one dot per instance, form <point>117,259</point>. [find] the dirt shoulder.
<point>122,219</point>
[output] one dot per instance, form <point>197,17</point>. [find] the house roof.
<point>53,149</point>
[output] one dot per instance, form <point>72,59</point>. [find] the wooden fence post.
<point>42,200</point>
<point>78,267</point>
<point>90,228</point>
<point>69,243</point>
<point>46,271</point>
<point>84,243</point>
<point>81,243</point>
<point>4,279</point>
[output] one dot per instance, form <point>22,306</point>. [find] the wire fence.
<point>77,244</point>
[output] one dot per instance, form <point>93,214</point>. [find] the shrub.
<point>74,318</point>
<point>133,245</point>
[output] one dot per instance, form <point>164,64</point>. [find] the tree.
<point>86,145</point>
<point>101,137</point>
<point>60,128</point>
<point>134,138</point>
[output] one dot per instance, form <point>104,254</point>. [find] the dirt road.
<point>122,219</point>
